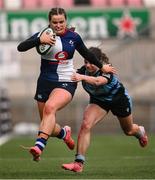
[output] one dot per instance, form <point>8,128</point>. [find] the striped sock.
<point>41,143</point>
<point>62,134</point>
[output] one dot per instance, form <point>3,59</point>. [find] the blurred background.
<point>124,29</point>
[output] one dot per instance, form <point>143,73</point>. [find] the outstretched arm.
<point>100,80</point>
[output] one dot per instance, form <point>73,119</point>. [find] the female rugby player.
<point>106,93</point>
<point>55,89</point>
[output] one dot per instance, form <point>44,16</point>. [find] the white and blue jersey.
<point>57,64</point>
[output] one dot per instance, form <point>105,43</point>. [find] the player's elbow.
<point>21,48</point>
<point>100,81</point>
<point>97,82</point>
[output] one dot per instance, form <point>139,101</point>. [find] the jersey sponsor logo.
<point>59,62</point>
<point>62,55</point>
<point>60,58</point>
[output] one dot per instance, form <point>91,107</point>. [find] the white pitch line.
<point>5,138</point>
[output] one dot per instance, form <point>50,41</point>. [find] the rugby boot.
<point>68,139</point>
<point>74,166</point>
<point>143,140</point>
<point>36,152</point>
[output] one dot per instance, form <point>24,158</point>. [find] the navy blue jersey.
<point>106,92</point>
<point>57,64</point>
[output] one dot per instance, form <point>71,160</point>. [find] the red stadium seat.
<point>47,3</point>
<point>1,4</point>
<point>117,3</point>
<point>137,3</point>
<point>65,3</point>
<point>30,4</point>
<point>99,3</point>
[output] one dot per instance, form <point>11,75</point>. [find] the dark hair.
<point>56,11</point>
<point>102,57</point>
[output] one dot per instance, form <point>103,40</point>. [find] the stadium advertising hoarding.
<point>90,24</point>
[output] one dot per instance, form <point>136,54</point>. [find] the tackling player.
<point>106,93</point>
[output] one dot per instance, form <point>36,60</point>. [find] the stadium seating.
<point>12,5</point>
<point>30,4</point>
<point>117,3</point>
<point>82,2</point>
<point>47,3</point>
<point>1,4</point>
<point>149,3</point>
<point>134,3</point>
<point>65,3</point>
<point>99,3</point>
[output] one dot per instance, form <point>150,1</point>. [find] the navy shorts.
<point>45,87</point>
<point>120,106</point>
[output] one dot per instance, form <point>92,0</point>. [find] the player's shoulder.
<point>108,76</point>
<point>81,70</point>
<point>73,33</point>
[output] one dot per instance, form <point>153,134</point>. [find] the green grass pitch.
<point>108,157</point>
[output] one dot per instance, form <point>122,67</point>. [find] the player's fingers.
<point>114,70</point>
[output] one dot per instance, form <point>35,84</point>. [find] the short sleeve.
<point>81,70</point>
<point>108,76</point>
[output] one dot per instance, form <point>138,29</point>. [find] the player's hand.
<point>47,39</point>
<point>108,68</point>
<point>76,77</point>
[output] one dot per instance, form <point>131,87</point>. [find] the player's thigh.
<point>59,98</point>
<point>93,114</point>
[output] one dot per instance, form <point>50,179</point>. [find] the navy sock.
<point>62,134</point>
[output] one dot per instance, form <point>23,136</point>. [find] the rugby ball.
<point>44,48</point>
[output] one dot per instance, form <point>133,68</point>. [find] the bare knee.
<point>86,126</point>
<point>49,109</point>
